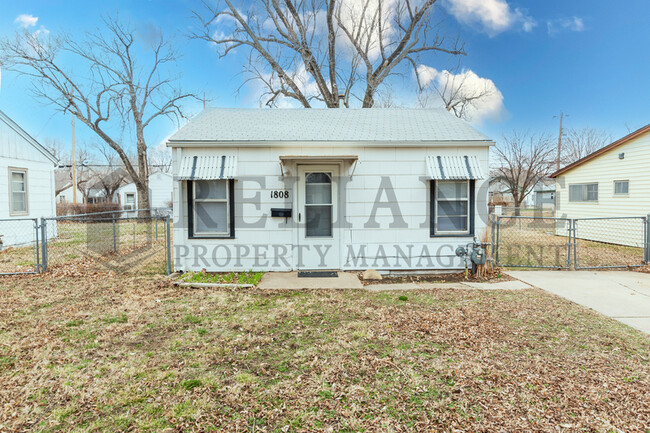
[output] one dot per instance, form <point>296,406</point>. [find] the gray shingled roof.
<point>325,125</point>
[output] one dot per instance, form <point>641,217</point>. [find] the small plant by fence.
<point>579,243</point>
<point>135,241</point>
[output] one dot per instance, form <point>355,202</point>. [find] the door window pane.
<point>318,219</point>
<point>211,217</point>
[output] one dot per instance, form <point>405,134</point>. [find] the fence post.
<point>168,245</point>
<point>496,248</point>
<point>38,254</point>
<point>493,219</point>
<point>44,243</point>
<point>114,239</point>
<point>646,239</point>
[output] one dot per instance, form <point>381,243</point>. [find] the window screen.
<point>211,208</point>
<point>18,187</point>
<point>451,207</point>
<point>583,192</point>
<point>621,187</point>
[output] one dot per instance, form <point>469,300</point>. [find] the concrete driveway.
<point>622,295</point>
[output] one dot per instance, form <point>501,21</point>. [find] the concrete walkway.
<point>499,285</point>
<point>622,295</point>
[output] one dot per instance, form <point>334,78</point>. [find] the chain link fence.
<point>137,241</point>
<point>126,242</point>
<point>539,242</point>
<point>19,246</point>
<point>563,243</point>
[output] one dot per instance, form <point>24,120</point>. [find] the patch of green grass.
<point>189,318</point>
<point>7,362</point>
<point>403,298</point>
<point>248,277</point>
<point>120,318</point>
<point>74,322</point>
<point>189,385</point>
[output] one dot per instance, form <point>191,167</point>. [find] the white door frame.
<point>334,253</point>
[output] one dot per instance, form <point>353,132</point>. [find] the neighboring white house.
<point>66,195</point>
<point>613,181</point>
<point>388,189</point>
<point>26,182</point>
<point>161,192</point>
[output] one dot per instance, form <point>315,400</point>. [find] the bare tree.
<point>108,89</point>
<point>330,51</point>
<point>455,91</point>
<point>160,159</point>
<point>523,161</point>
<point>579,143</point>
<point>109,171</point>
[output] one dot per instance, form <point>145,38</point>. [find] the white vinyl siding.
<point>606,169</point>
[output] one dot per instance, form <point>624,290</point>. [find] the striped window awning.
<point>454,167</point>
<point>208,167</point>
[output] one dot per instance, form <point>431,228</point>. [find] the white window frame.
<point>127,205</point>
<point>195,232</point>
<point>585,192</point>
<point>622,194</point>
<point>23,171</point>
<point>436,231</point>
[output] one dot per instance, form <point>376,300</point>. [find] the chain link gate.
<point>566,243</point>
<point>533,242</point>
<point>19,246</point>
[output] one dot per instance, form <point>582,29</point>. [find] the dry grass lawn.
<point>133,353</point>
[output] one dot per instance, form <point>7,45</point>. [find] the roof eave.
<point>602,150</point>
<point>31,140</point>
<point>331,143</point>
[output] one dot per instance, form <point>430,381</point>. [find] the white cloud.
<point>493,16</point>
<point>465,83</point>
<point>26,20</point>
<point>572,24</point>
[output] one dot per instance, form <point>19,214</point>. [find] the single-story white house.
<point>161,192</point>
<point>66,195</point>
<point>610,182</point>
<point>327,189</point>
<point>26,183</point>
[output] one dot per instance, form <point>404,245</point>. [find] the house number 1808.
<point>279,194</point>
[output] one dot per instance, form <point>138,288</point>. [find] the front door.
<point>318,234</point>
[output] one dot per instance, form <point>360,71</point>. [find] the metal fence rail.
<point>578,243</point>
<point>19,246</point>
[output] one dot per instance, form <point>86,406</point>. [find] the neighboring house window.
<point>17,191</point>
<point>621,187</point>
<point>62,199</point>
<point>129,201</point>
<point>583,192</point>
<point>211,208</point>
<point>452,207</point>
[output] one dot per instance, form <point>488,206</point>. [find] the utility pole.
<point>74,166</point>
<point>559,139</point>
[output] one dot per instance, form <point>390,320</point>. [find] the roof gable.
<point>20,131</point>
<point>372,125</point>
<point>639,132</point>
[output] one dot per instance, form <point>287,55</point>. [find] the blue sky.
<point>587,58</point>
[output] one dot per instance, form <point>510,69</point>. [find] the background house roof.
<point>326,125</point>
